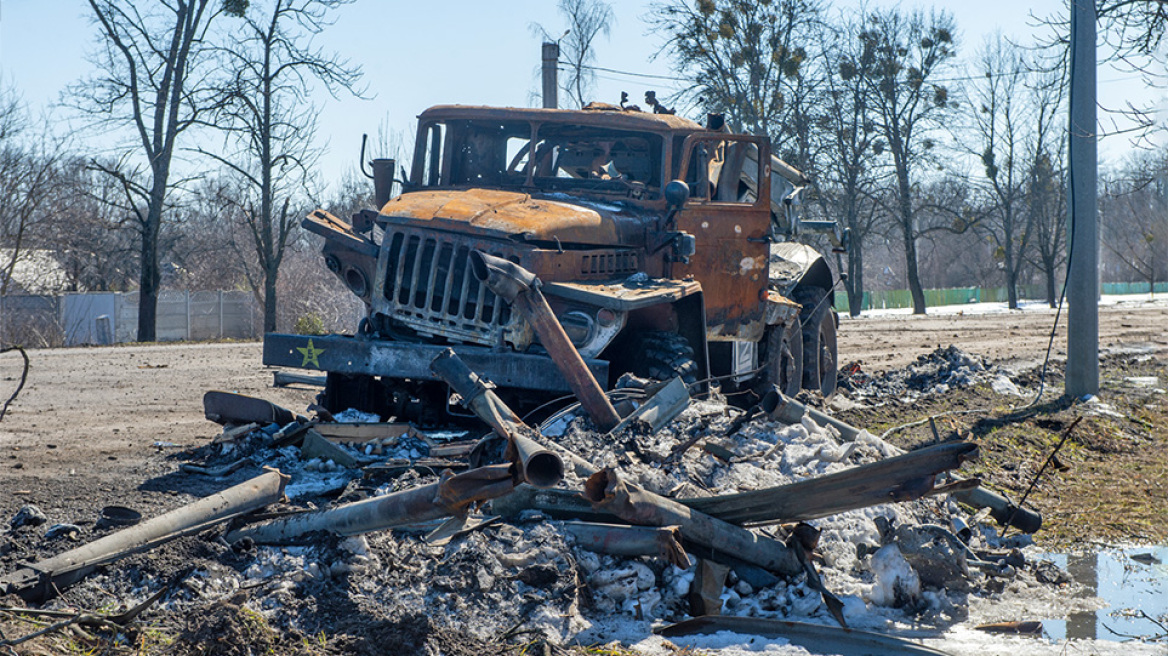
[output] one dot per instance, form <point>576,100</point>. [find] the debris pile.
<point>562,532</point>
<point>933,373</point>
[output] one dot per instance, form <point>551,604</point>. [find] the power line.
<point>968,78</point>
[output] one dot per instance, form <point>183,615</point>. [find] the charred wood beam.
<point>901,478</point>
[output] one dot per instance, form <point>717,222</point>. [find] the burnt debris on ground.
<point>556,534</point>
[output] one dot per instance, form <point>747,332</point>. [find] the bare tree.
<point>29,168</point>
<point>910,52</point>
<point>849,175</point>
<point>744,57</point>
<point>92,228</point>
<point>270,123</point>
<point>1001,127</point>
<point>152,79</point>
<point>1134,211</point>
<point>587,21</point>
<point>1046,173</point>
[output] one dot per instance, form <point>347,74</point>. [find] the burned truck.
<point>665,248</point>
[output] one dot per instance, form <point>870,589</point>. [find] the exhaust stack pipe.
<point>382,181</point>
<point>520,287</point>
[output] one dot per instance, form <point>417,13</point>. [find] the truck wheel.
<point>784,358</point>
<point>819,341</point>
<point>664,356</point>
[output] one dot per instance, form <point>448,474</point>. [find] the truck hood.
<point>494,213</point>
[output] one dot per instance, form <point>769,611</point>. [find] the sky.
<point>418,54</point>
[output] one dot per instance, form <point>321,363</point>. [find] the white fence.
<point>107,317</point>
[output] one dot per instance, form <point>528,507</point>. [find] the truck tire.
<point>664,356</point>
<point>820,370</point>
<point>783,358</point>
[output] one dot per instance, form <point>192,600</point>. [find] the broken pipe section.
<point>538,466</point>
<point>790,411</point>
<point>520,287</point>
<point>608,492</point>
<point>42,580</point>
<point>450,496</point>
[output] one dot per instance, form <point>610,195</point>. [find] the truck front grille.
<point>430,288</point>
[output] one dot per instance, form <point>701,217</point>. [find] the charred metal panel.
<point>349,355</point>
<point>625,295</point>
<point>732,255</point>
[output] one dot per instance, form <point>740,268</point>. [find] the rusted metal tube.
<point>790,411</point>
<point>539,466</point>
<point>608,492</point>
<point>41,580</point>
<point>448,497</point>
<point>521,288</point>
<point>901,478</point>
<point>630,541</point>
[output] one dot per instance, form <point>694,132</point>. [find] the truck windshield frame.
<point>568,158</point>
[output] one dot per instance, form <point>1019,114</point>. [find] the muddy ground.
<point>100,426</point>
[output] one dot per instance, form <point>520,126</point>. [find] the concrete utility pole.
<point>1082,221</point>
<point>551,60</point>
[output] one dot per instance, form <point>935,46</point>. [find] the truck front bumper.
<point>351,355</point>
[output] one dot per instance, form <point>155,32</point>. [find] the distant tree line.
<point>946,164</point>
<point>948,168</point>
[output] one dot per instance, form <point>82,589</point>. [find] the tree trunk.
<point>904,201</point>
<point>270,300</point>
<point>914,278</point>
<point>149,279</point>
<point>855,283</point>
<point>1011,276</point>
<point>1048,273</point>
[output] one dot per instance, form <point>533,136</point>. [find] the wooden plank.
<point>362,432</point>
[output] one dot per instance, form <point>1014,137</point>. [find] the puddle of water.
<point>1127,586</point>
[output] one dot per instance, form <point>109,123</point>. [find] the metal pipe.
<point>538,465</point>
<point>790,411</point>
<point>608,492</point>
<point>630,541</point>
<point>43,579</point>
<point>521,288</point>
<point>901,478</point>
<point>449,496</point>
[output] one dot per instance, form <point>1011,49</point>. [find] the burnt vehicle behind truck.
<point>665,247</point>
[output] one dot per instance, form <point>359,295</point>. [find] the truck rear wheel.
<point>663,356</point>
<point>819,341</point>
<point>784,358</point>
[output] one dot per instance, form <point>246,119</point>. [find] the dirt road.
<point>890,341</point>
<point>88,427</point>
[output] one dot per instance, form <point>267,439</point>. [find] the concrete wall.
<point>95,318</point>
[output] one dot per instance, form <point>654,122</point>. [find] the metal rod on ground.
<point>521,288</point>
<point>42,579</point>
<point>1042,469</point>
<point>790,411</point>
<point>449,496</point>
